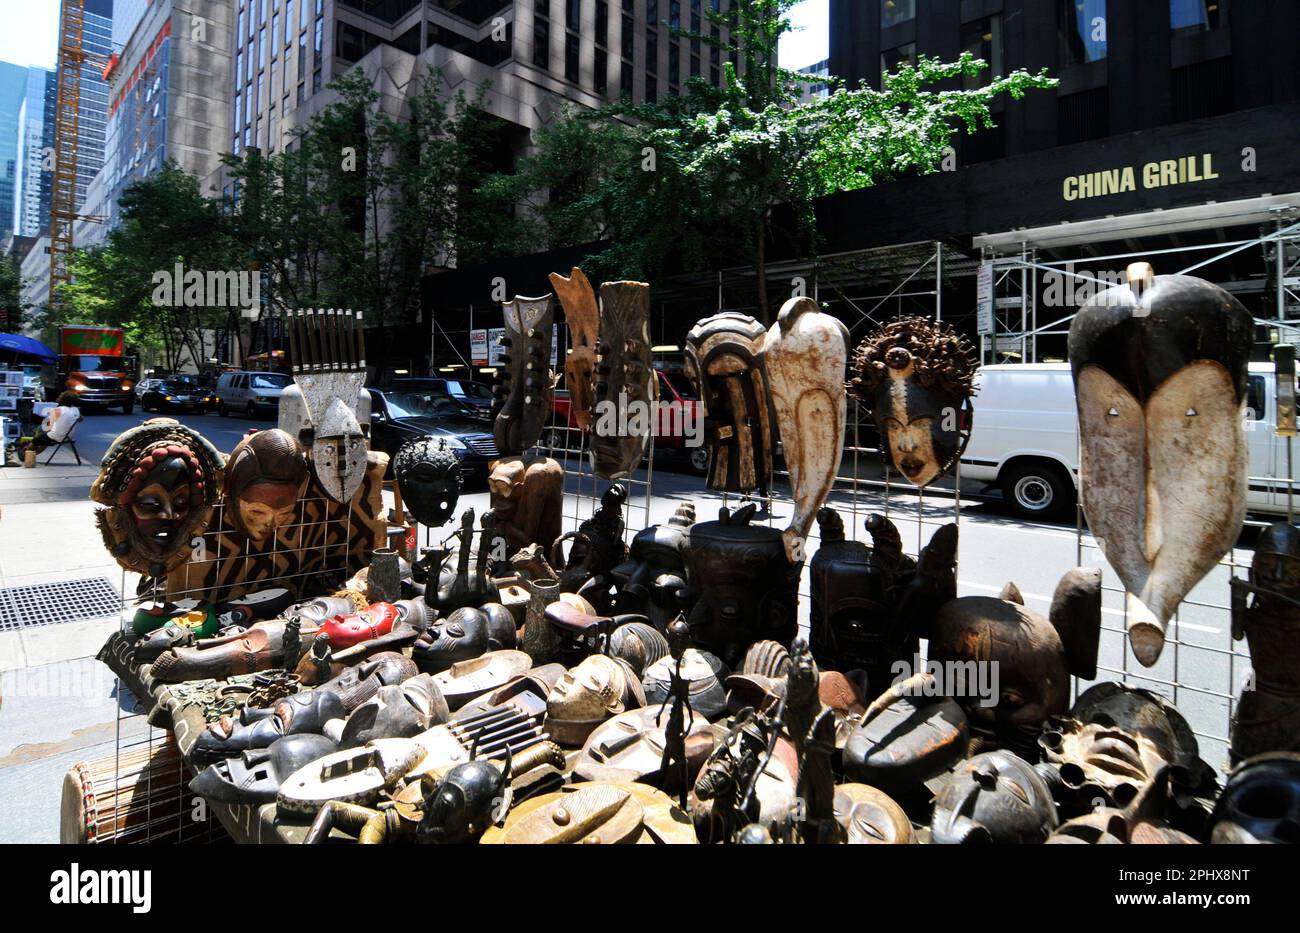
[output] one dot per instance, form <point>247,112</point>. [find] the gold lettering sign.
<point>1160,174</point>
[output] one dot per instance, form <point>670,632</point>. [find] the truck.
<point>1025,439</point>
<point>91,363</point>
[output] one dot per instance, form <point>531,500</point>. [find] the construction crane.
<point>67,104</point>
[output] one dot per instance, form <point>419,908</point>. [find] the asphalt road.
<point>1199,668</point>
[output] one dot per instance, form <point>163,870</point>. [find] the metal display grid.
<point>166,819</point>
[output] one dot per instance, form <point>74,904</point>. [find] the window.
<point>983,39</point>
<point>674,62</point>
<point>601,76</point>
<point>625,80</point>
<point>891,59</point>
<point>1187,17</point>
<point>602,22</point>
<point>893,12</point>
<point>675,14</point>
<point>628,26</point>
<point>651,51</point>
<point>572,14</point>
<point>320,31</point>
<point>261,48</point>
<point>1082,31</point>
<point>288,23</point>
<point>541,43</point>
<point>571,56</point>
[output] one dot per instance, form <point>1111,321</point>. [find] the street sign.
<point>984,292</point>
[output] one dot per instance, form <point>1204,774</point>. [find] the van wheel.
<point>1036,490</point>
<point>699,460</point>
<point>252,411</point>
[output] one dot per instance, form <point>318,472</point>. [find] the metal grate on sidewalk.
<point>52,603</point>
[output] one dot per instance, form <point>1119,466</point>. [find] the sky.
<point>31,28</point>
<point>31,32</point>
<point>811,42</point>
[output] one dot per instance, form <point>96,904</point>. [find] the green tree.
<point>362,204</point>
<point>12,310</point>
<point>693,180</point>
<point>165,221</point>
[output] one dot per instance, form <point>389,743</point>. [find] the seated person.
<point>58,424</point>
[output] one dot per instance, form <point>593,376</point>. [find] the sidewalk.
<point>57,704</point>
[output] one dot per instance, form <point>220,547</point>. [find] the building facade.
<point>168,93</point>
<point>13,91</point>
<point>532,55</point>
<point>35,137</point>
<point>1123,66</point>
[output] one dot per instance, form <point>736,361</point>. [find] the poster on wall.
<point>478,347</point>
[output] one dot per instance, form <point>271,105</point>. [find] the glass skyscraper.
<point>13,90</point>
<point>35,136</point>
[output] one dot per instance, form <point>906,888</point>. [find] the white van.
<point>250,393</point>
<point>1025,439</point>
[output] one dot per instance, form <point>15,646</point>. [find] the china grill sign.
<point>1162,173</point>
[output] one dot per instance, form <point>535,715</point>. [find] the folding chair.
<point>69,441</point>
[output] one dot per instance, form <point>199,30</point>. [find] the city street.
<point>60,705</point>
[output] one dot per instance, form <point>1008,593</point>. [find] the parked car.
<point>1025,439</point>
<point>250,393</point>
<point>168,395</point>
<point>399,414</point>
<point>143,386</point>
<point>477,395</point>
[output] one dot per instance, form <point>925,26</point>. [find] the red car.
<point>679,434</point>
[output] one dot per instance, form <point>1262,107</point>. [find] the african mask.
<point>1099,762</point>
<point>466,633</point>
<point>1159,368</point>
<point>266,475</point>
<point>1147,714</point>
<point>428,476</point>
<point>856,592</point>
<point>724,359</point>
<point>1023,662</point>
<point>465,803</point>
<point>526,497</point>
<point>905,745</point>
<point>804,354</point>
<point>626,384</point>
<point>524,387</point>
<point>1260,803</point>
<point>255,776</point>
<point>583,318</point>
<point>703,673</point>
<point>630,747</point>
<point>745,587</point>
<point>654,576</point>
<point>870,817</point>
<point>327,409</point>
<point>158,482</point>
<point>1266,610</point>
<point>587,695</point>
<point>995,797</point>
<point>916,376</point>
<point>396,712</point>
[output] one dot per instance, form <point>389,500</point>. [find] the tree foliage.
<point>11,300</point>
<point>692,181</point>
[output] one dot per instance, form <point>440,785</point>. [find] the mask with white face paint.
<point>1160,367</point>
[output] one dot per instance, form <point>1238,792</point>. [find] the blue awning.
<point>26,346</point>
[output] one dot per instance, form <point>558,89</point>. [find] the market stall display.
<point>662,690</point>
